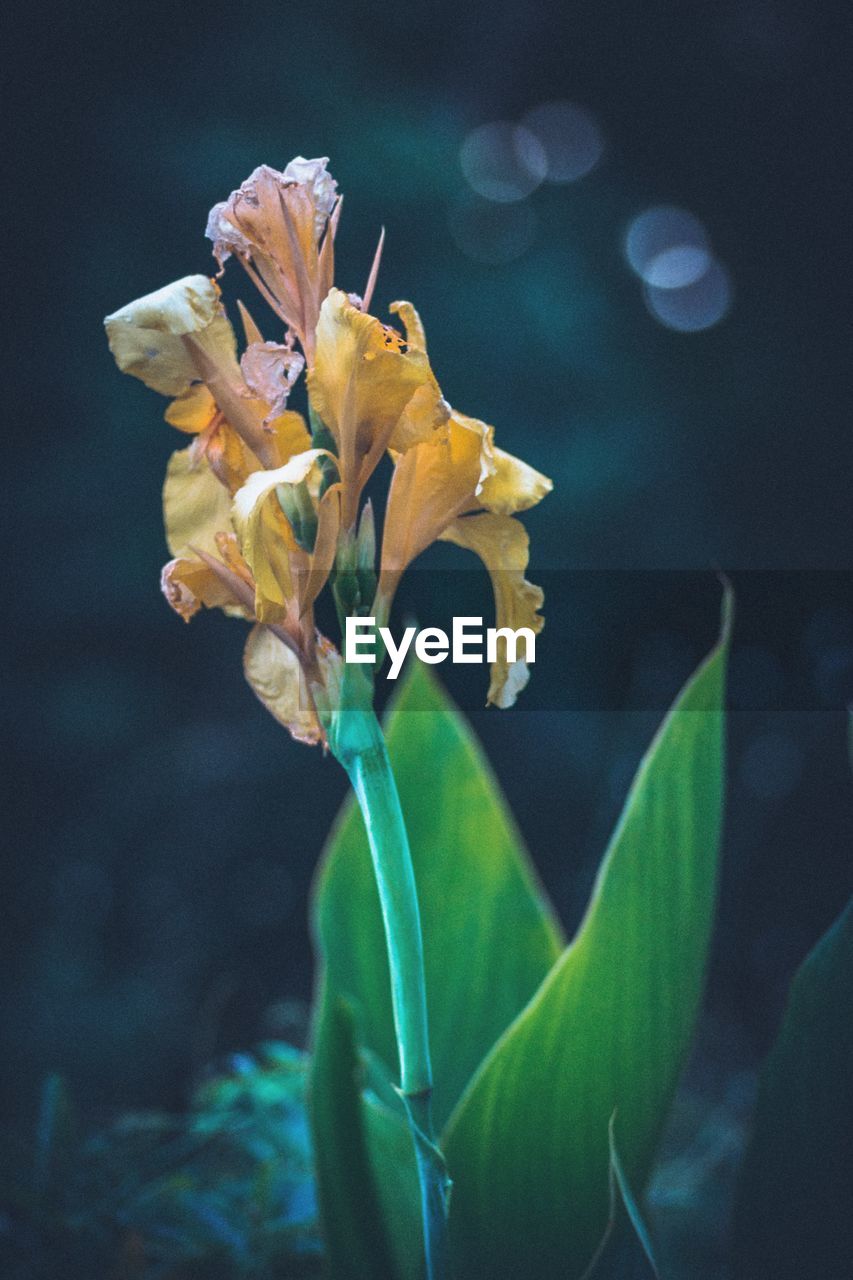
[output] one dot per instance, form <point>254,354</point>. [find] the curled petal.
<point>270,371</point>
<point>146,337</point>
<point>412,323</point>
<point>188,583</point>
<point>195,506</point>
<point>274,223</point>
<point>362,381</point>
<point>432,484</point>
<point>421,419</point>
<point>192,412</point>
<point>314,175</point>
<point>512,485</point>
<point>290,435</point>
<point>266,538</point>
<point>502,544</point>
<point>507,484</point>
<point>225,236</point>
<point>276,676</point>
<point>230,459</point>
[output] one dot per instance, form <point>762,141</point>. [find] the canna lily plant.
<point>264,511</point>
<point>555,1062</point>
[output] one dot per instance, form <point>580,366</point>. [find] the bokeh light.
<point>503,162</point>
<point>672,234</point>
<point>681,265</point>
<point>571,137</point>
<point>492,233</point>
<point>697,306</point>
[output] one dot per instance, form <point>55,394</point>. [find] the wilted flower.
<point>371,391</point>
<point>259,511</point>
<point>437,483</point>
<point>281,226</point>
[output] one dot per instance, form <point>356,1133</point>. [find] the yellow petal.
<point>146,337</point>
<point>188,583</point>
<point>266,539</point>
<point>432,484</point>
<point>512,486</point>
<point>502,544</point>
<point>415,333</point>
<point>195,505</point>
<point>508,484</point>
<point>360,385</point>
<point>425,413</point>
<point>193,411</point>
<point>231,460</point>
<point>274,673</point>
<point>290,434</point>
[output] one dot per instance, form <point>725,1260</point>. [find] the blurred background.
<point>626,230</point>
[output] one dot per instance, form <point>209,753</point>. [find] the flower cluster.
<point>263,509</point>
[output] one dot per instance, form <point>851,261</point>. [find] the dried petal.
<point>270,371</point>
<point>276,676</point>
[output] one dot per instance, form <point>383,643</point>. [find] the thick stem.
<point>360,746</point>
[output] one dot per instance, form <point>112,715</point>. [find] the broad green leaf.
<point>489,937</point>
<point>607,1031</point>
<point>489,940</point>
<point>355,1237</point>
<point>795,1214</point>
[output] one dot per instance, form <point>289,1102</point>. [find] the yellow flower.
<point>180,342</point>
<point>241,556</point>
<point>285,575</point>
<point>456,471</point>
<point>257,512</point>
<point>371,391</point>
<point>281,227</point>
<point>503,545</point>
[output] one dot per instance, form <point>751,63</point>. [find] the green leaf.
<point>489,936</point>
<point>355,1237</point>
<point>794,1208</point>
<point>527,1147</point>
<point>477,895</point>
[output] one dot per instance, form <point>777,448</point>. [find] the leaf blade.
<point>606,1031</point>
<point>793,1214</point>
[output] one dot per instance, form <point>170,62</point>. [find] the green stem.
<point>360,746</point>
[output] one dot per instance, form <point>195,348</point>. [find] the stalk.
<point>359,745</point>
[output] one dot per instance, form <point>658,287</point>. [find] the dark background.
<point>162,828</point>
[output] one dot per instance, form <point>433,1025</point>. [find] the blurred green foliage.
<point>225,1189</point>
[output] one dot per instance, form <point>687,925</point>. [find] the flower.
<point>179,341</point>
<point>231,549</point>
<point>259,512</point>
<point>436,485</point>
<point>372,392</point>
<point>281,227</point>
